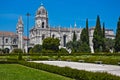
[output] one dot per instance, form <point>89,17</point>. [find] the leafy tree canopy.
<point>51,44</point>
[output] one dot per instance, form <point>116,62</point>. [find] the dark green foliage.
<point>20,56</point>
<point>9,62</point>
<point>74,36</point>
<point>7,50</point>
<point>69,45</point>
<point>48,51</point>
<point>98,37</point>
<point>62,50</point>
<point>87,32</point>
<point>16,51</point>
<point>51,44</point>
<point>36,49</point>
<point>84,37</point>
<point>4,51</point>
<point>103,30</point>
<point>84,48</point>
<point>117,38</point>
<point>104,46</point>
<point>72,73</point>
<point>109,44</point>
<point>74,46</point>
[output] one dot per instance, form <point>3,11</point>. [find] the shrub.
<point>16,51</point>
<point>51,44</point>
<point>63,50</point>
<point>36,49</point>
<point>9,62</point>
<point>19,56</point>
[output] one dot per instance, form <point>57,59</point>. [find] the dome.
<point>41,10</point>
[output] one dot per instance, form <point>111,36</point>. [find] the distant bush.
<point>9,62</point>
<point>63,50</point>
<point>47,51</point>
<point>36,49</point>
<point>16,51</point>
<point>19,56</point>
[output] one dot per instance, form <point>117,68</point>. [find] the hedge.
<point>72,73</point>
<point>64,54</point>
<point>9,62</point>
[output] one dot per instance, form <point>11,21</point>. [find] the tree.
<point>98,37</point>
<point>84,37</point>
<point>87,32</point>
<point>16,51</point>
<point>109,44</point>
<point>51,44</point>
<point>74,36</point>
<point>103,30</point>
<point>104,46</point>
<point>36,49</point>
<point>117,37</point>
<point>84,48</point>
<point>74,46</point>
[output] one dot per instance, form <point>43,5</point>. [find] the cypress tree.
<point>87,31</point>
<point>74,36</point>
<point>117,38</point>
<point>85,34</point>
<point>98,37</point>
<point>104,46</point>
<point>84,37</point>
<point>103,30</point>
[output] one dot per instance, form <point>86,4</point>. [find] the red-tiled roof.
<point>4,33</point>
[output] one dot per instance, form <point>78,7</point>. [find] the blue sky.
<point>60,12</point>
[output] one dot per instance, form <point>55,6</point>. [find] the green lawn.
<point>19,72</point>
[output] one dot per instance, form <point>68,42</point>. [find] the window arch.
<point>64,40</point>
<point>14,41</point>
<point>6,40</point>
<point>43,24</point>
<point>43,36</point>
<point>53,36</point>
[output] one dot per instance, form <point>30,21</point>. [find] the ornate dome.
<point>41,10</point>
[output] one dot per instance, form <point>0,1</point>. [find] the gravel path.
<point>112,69</point>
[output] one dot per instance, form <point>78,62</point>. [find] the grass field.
<point>19,72</point>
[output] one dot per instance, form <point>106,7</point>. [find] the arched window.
<point>14,41</point>
<point>42,24</point>
<point>43,36</point>
<point>39,12</point>
<point>64,40</point>
<point>53,36</point>
<point>6,40</point>
<point>43,11</point>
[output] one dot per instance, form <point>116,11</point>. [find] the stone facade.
<point>41,30</point>
<point>12,40</point>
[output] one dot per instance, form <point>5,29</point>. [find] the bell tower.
<point>41,18</point>
<point>20,31</point>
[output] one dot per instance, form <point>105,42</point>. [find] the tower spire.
<point>20,31</point>
<point>75,25</point>
<point>41,4</point>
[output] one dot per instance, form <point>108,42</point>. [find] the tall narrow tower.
<point>20,31</point>
<point>41,18</point>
